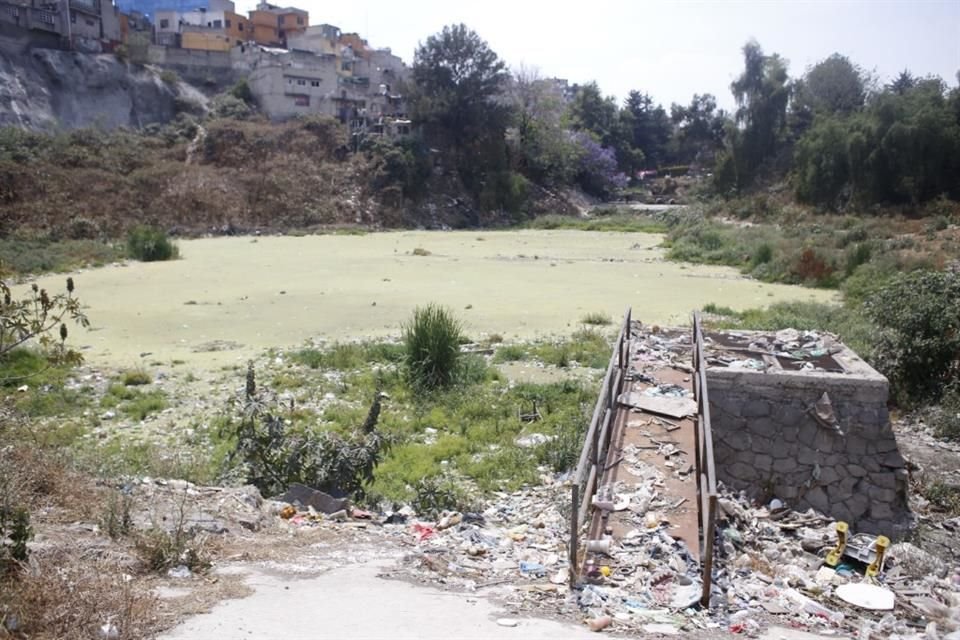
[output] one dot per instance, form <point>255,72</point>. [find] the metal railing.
<point>706,471</point>
<point>593,455</point>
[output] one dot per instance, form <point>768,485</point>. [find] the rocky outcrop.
<point>49,88</point>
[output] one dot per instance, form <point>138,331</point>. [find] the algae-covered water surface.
<point>229,298</point>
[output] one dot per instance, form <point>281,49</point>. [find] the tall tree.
<point>545,149</point>
<point>762,93</point>
<point>832,86</point>
<point>457,98</point>
<point>649,126</point>
<point>457,79</point>
<point>698,128</point>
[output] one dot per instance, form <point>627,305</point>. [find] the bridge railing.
<point>706,471</point>
<point>593,455</point>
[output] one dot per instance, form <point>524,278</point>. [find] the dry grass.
<point>65,595</point>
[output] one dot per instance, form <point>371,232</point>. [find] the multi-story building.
<point>273,25</point>
<point>327,73</point>
<point>216,28</point>
<point>87,25</point>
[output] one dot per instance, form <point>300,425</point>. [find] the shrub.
<point>918,345</point>
<point>136,378</point>
<point>272,456</point>
<point>169,77</point>
<point>945,419</point>
<point>150,245</point>
<point>510,353</point>
<point>432,344</point>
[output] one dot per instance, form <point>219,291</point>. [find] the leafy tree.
<point>457,79</point>
<point>648,126</point>
<point>918,344</point>
<point>545,149</point>
<point>903,83</point>
<point>698,128</point>
<point>598,173</point>
<point>591,111</point>
<point>762,93</point>
<point>832,86</point>
<point>458,84</point>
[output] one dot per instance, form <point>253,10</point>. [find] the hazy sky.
<point>668,49</point>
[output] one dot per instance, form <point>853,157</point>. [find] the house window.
<point>90,23</point>
<point>164,24</point>
<point>15,12</point>
<point>46,17</point>
<point>300,21</point>
<point>240,26</point>
<point>314,83</point>
<point>301,101</point>
<point>217,24</point>
<point>302,83</point>
<point>226,23</point>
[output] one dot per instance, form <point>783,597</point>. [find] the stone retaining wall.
<point>768,441</point>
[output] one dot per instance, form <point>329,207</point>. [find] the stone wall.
<point>769,442</point>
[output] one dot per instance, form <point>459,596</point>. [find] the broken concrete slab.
<point>671,407</point>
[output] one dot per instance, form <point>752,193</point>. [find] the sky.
<point>670,50</point>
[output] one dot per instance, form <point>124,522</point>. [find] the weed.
<point>136,377</point>
<point>717,310</point>
<point>420,251</point>
<point>169,77</point>
<point>432,348</point>
<point>596,318</point>
<point>272,456</point>
<point>945,497</point>
<point>116,520</point>
<point>150,245</point>
<point>160,549</point>
<point>510,353</point>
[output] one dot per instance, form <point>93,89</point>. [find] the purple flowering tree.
<point>597,168</point>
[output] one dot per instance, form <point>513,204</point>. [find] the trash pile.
<point>776,564</point>
<point>771,567</point>
<point>786,349</point>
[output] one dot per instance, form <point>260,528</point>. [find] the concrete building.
<point>323,74</point>
<point>273,25</point>
<point>216,28</point>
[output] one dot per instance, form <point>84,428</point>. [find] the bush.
<point>169,77</point>
<point>150,245</point>
<point>918,345</point>
<point>432,344</point>
<point>945,419</point>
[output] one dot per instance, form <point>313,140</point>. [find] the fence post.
<point>574,526</point>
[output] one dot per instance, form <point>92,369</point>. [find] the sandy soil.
<point>230,298</point>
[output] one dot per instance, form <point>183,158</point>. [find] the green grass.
<point>349,356</point>
<point>618,222</point>
<point>586,347</point>
<point>510,353</point>
<point>133,403</point>
<point>30,256</point>
<point>136,377</point>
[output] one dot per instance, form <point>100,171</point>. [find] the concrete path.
<point>352,602</point>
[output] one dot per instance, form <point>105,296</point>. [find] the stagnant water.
<point>227,299</point>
